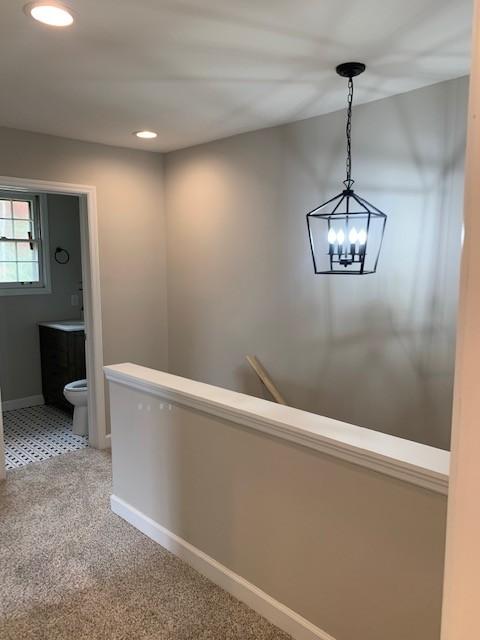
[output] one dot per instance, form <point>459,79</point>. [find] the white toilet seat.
<point>77,385</point>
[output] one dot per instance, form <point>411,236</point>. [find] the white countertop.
<point>65,325</point>
<point>410,461</point>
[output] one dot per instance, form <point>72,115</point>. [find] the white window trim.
<point>44,252</point>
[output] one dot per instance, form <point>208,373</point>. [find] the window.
<point>23,267</point>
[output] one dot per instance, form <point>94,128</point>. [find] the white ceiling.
<point>196,70</point>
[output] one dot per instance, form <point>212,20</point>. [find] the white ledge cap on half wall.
<point>409,461</point>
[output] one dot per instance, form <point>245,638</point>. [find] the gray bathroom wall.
<point>377,350</point>
<point>20,371</point>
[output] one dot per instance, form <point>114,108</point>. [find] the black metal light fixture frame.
<point>346,232</point>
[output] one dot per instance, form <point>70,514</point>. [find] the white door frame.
<point>3,471</point>
<point>91,297</point>
<point>461,614</point>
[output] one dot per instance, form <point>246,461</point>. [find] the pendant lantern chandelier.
<point>346,232</point>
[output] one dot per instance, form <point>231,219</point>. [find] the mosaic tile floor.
<point>38,433</point>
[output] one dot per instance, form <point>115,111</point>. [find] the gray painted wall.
<point>357,553</point>
<point>20,371</point>
<point>377,351</point>
<point>131,233</point>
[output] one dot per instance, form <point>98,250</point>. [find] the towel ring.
<point>61,256</point>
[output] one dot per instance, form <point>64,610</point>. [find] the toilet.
<point>76,394</point>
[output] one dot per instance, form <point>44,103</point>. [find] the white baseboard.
<point>274,611</point>
<point>108,440</point>
<point>21,403</point>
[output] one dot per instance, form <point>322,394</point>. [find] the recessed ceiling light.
<point>146,135</point>
<point>50,12</point>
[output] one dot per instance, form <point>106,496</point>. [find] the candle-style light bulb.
<point>362,236</point>
<point>332,236</point>
<point>340,237</point>
<point>353,235</point>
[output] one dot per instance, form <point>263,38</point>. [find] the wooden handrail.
<point>261,372</point>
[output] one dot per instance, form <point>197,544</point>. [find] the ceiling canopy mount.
<point>350,69</point>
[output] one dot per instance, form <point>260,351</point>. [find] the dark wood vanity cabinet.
<point>63,361</point>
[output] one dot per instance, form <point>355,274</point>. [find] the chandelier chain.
<point>348,131</point>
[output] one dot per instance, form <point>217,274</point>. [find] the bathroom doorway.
<point>54,307</point>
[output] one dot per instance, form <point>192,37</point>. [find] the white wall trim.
<point>274,611</point>
<point>412,462</point>
<point>44,287</point>
<point>22,403</point>
<point>91,290</point>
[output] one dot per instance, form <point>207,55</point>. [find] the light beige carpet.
<point>71,569</point>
